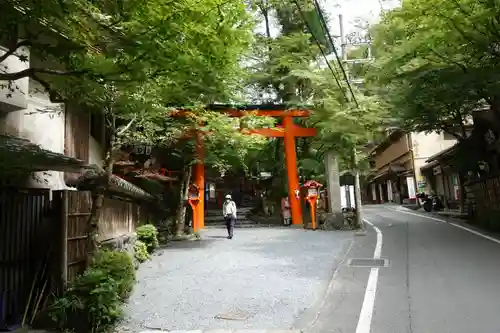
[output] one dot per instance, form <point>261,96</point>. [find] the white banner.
<point>411,187</point>
<point>389,190</point>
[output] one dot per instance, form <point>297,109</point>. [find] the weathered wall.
<point>16,99</point>
<point>41,122</point>
<point>425,145</point>
<point>96,154</point>
<point>397,149</point>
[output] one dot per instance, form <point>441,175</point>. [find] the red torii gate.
<point>289,131</point>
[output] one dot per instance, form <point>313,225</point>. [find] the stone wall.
<point>123,243</point>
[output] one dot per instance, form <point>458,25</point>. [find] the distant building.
<point>397,162</point>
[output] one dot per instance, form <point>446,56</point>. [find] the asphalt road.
<point>269,278</point>
<point>440,279</point>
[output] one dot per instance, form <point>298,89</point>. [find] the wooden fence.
<point>483,196</point>
<point>118,217</point>
<point>36,231</point>
<point>25,242</point>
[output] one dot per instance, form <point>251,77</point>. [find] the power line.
<point>337,80</point>
<point>323,21</point>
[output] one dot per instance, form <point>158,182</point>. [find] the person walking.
<point>229,213</point>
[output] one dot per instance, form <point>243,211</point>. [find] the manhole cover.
<point>233,315</point>
<point>370,262</point>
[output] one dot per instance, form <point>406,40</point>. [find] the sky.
<point>352,10</point>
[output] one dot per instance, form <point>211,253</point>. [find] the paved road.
<point>440,278</point>
<point>274,277</point>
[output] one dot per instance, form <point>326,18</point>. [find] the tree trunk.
<point>265,12</point>
<point>461,181</point>
<point>357,192</point>
<point>184,191</point>
<point>98,193</point>
<point>98,200</point>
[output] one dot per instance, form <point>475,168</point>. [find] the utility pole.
<point>345,61</point>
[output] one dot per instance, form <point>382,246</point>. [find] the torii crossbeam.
<point>289,131</point>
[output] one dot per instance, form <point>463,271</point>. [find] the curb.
<point>228,331</point>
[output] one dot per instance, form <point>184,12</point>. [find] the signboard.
<point>142,150</point>
<point>312,192</point>
<point>410,182</point>
<point>421,184</point>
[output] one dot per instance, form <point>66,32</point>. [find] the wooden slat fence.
<point>44,240</point>
<point>25,242</point>
<point>484,196</point>
<point>73,210</point>
<point>118,217</point>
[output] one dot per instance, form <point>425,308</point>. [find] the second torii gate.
<point>289,131</point>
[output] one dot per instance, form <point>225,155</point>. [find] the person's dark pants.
<point>230,222</point>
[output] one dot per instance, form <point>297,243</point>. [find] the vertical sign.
<point>351,196</point>
<point>456,186</point>
<point>410,182</point>
<point>389,190</point>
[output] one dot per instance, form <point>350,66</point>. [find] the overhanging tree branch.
<point>30,72</point>
<point>13,50</point>
<point>54,96</point>
<point>126,127</point>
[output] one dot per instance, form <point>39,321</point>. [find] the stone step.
<point>218,212</point>
<point>222,222</point>
<point>245,226</point>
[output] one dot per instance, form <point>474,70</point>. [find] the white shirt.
<point>229,208</point>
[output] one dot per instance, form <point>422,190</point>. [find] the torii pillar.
<point>199,180</point>
<point>289,132</point>
<point>291,170</point>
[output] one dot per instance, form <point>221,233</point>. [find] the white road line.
<point>451,223</point>
<point>365,316</point>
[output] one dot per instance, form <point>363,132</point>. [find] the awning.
<point>391,170</point>
<point>21,155</point>
<point>156,177</point>
<point>430,165</point>
<point>443,154</point>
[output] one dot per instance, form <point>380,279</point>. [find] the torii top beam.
<point>269,110</point>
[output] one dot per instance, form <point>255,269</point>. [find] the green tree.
<point>437,63</point>
<point>128,61</point>
<point>192,44</point>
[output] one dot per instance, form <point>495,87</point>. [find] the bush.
<point>93,301</point>
<point>91,304</point>
<point>119,266</point>
<point>141,251</point>
<point>148,234</point>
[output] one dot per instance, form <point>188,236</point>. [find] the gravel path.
<point>267,277</point>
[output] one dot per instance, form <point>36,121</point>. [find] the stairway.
<point>214,219</point>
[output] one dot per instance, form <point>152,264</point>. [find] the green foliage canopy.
<point>438,61</point>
